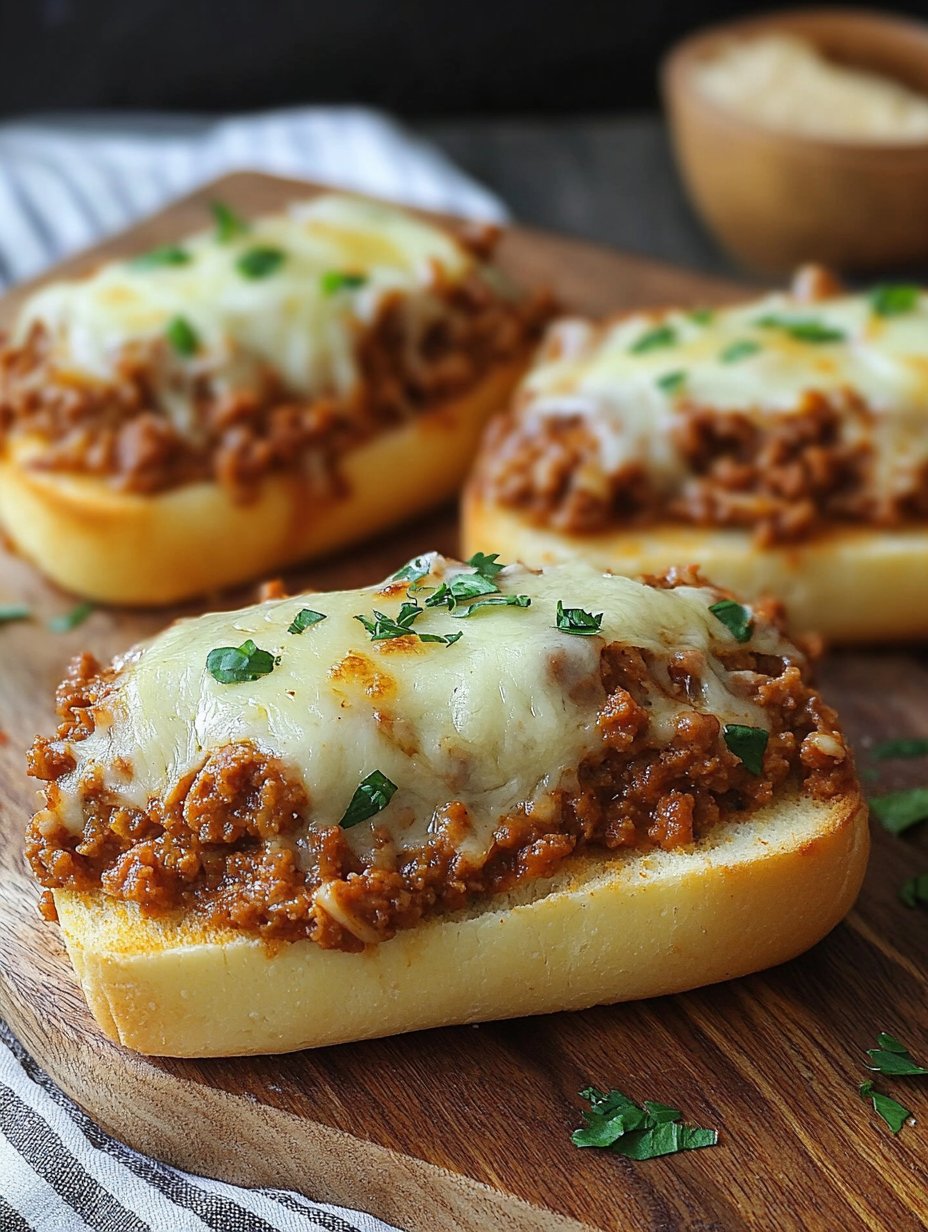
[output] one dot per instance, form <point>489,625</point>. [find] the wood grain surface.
<point>468,1129</point>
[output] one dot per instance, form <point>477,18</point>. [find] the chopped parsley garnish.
<point>894,299</point>
<point>893,1113</point>
<point>701,316</point>
<point>462,589</point>
<point>236,664</point>
<point>371,797</point>
<point>304,619</point>
<point>914,892</point>
<point>670,382</point>
<point>892,1057</point>
<point>467,592</point>
<point>616,1123</point>
<point>576,620</point>
<point>385,628</point>
<point>413,570</point>
<point>742,348</point>
<point>382,628</point>
<point>70,620</point>
<point>486,566</point>
<point>896,811</point>
<point>260,262</point>
<point>229,225</point>
<point>653,339</point>
<point>182,336</point>
<point>166,254</point>
<point>14,611</point>
<point>748,744</point>
<point>803,329</point>
<point>492,601</point>
<point>905,747</point>
<point>333,281</point>
<point>735,617</point>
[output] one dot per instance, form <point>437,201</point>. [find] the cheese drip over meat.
<point>630,380</point>
<point>295,318</point>
<point>501,717</point>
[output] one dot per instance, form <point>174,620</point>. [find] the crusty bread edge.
<point>852,585</point>
<point>751,894</point>
<point>136,549</point>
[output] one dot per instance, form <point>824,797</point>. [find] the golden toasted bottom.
<point>607,928</point>
<point>135,549</point>
<point>851,585</point>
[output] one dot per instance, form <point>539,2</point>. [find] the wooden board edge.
<point>324,1163</point>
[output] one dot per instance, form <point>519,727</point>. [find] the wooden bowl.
<point>775,199</point>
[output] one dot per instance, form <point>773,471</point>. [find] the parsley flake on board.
<point>742,348</point>
<point>229,225</point>
<point>735,617</point>
<point>748,744</point>
<point>893,1113</point>
<point>576,620</point>
<point>803,329</point>
<point>415,569</point>
<point>897,811</point>
<point>653,339</point>
<point>182,336</point>
<point>372,795</point>
<point>672,382</point>
<point>894,299</point>
<point>892,1057</point>
<point>260,262</point>
<point>70,620</point>
<point>305,619</point>
<point>914,892</point>
<point>14,611</point>
<point>701,316</point>
<point>616,1123</point>
<point>333,281</point>
<point>889,750</point>
<point>164,255</point>
<point>237,664</point>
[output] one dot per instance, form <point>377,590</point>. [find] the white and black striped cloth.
<point>63,185</point>
<point>59,1172</point>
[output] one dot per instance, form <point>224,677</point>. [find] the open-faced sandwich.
<point>469,793</point>
<point>251,396</point>
<point>782,444</point>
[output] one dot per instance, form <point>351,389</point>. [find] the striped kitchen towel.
<point>59,1172</point>
<point>66,183</point>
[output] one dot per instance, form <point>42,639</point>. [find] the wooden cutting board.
<point>468,1129</point>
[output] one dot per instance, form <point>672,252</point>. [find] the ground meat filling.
<point>233,840</point>
<point>121,430</point>
<point>787,477</point>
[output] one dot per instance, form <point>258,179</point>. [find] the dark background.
<point>437,58</point>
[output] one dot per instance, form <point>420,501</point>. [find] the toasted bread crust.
<point>606,929</point>
<point>851,585</point>
<point>129,548</point>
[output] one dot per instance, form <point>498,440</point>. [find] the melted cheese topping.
<point>783,82</point>
<point>502,716</point>
<point>595,372</point>
<point>285,320</point>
